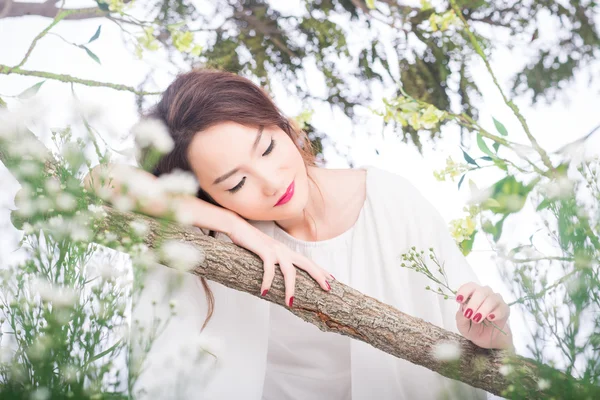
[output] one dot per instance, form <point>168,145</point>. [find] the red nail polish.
<point>333,278</point>
<point>468,313</point>
<point>291,301</point>
<point>264,292</point>
<point>491,316</point>
<point>459,298</point>
<point>477,317</point>
<point>328,287</point>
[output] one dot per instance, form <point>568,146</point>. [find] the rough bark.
<point>344,310</point>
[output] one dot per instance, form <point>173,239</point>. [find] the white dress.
<point>265,352</point>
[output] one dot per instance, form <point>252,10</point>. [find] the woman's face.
<point>247,170</point>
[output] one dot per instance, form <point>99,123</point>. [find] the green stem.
<point>509,103</point>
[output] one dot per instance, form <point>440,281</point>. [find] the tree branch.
<point>11,9</point>
<point>5,69</point>
<point>344,310</point>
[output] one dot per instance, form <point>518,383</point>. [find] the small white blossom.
<point>26,208</point>
<point>123,203</point>
<point>28,228</point>
<point>139,227</point>
<point>29,169</point>
<point>182,256</point>
<point>152,132</point>
<point>110,237</point>
<point>178,181</point>
<point>52,186</point>
<point>505,369</point>
<point>79,233</point>
<point>70,373</point>
<point>59,296</point>
<point>66,202</point>
<point>447,351</point>
<point>543,384</point>
<point>41,393</point>
<point>560,188</point>
<point>97,210</point>
<point>43,204</point>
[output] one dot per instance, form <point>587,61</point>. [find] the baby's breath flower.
<point>182,256</point>
<point>447,351</point>
<point>153,133</point>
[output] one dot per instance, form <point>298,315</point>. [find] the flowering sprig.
<point>414,260</point>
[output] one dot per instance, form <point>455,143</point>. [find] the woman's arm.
<point>109,181</point>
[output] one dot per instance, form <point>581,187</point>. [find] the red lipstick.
<point>289,193</point>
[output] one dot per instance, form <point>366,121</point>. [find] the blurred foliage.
<point>254,39</point>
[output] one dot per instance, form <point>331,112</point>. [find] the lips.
<point>287,195</point>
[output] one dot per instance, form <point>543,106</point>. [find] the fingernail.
<point>491,316</point>
<point>459,298</point>
<point>477,317</point>
<point>333,278</point>
<point>291,301</point>
<point>328,287</point>
<point>264,292</point>
<point>468,313</point>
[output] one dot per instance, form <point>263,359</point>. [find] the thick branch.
<point>344,310</point>
<point>48,9</point>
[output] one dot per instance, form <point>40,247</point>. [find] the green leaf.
<point>498,229</point>
<point>462,178</point>
<point>102,5</point>
<point>543,205</point>
<point>467,245</point>
<point>500,128</point>
<point>486,158</point>
<point>496,146</point>
<point>91,54</point>
<point>469,159</point>
<point>2,103</point>
<point>483,146</point>
<point>31,91</point>
<point>96,35</point>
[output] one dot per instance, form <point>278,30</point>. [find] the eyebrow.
<point>233,171</point>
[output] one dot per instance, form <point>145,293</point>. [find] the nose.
<point>271,184</point>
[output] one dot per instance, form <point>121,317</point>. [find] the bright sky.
<point>573,115</point>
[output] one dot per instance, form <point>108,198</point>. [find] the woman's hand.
<point>481,316</point>
<point>273,252</point>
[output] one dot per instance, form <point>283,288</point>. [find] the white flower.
<point>41,393</point>
<point>139,227</point>
<point>110,237</point>
<point>152,132</point>
<point>58,296</point>
<point>478,196</point>
<point>43,204</point>
<point>184,216</point>
<point>79,233</point>
<point>52,185</point>
<point>560,188</point>
<point>26,207</point>
<point>447,351</point>
<point>28,228</point>
<point>123,203</point>
<point>543,384</point>
<point>65,202</point>
<point>182,256</point>
<point>505,369</point>
<point>178,181</point>
<point>97,210</point>
<point>29,169</point>
<point>70,373</point>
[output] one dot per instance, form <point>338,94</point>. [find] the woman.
<point>261,189</point>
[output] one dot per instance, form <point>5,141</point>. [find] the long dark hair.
<point>201,98</point>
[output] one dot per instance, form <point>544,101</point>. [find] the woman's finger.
<point>316,272</point>
<point>490,303</point>
<point>475,301</point>
<point>289,278</point>
<point>268,275</point>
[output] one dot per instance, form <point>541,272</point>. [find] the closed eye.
<point>241,184</point>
